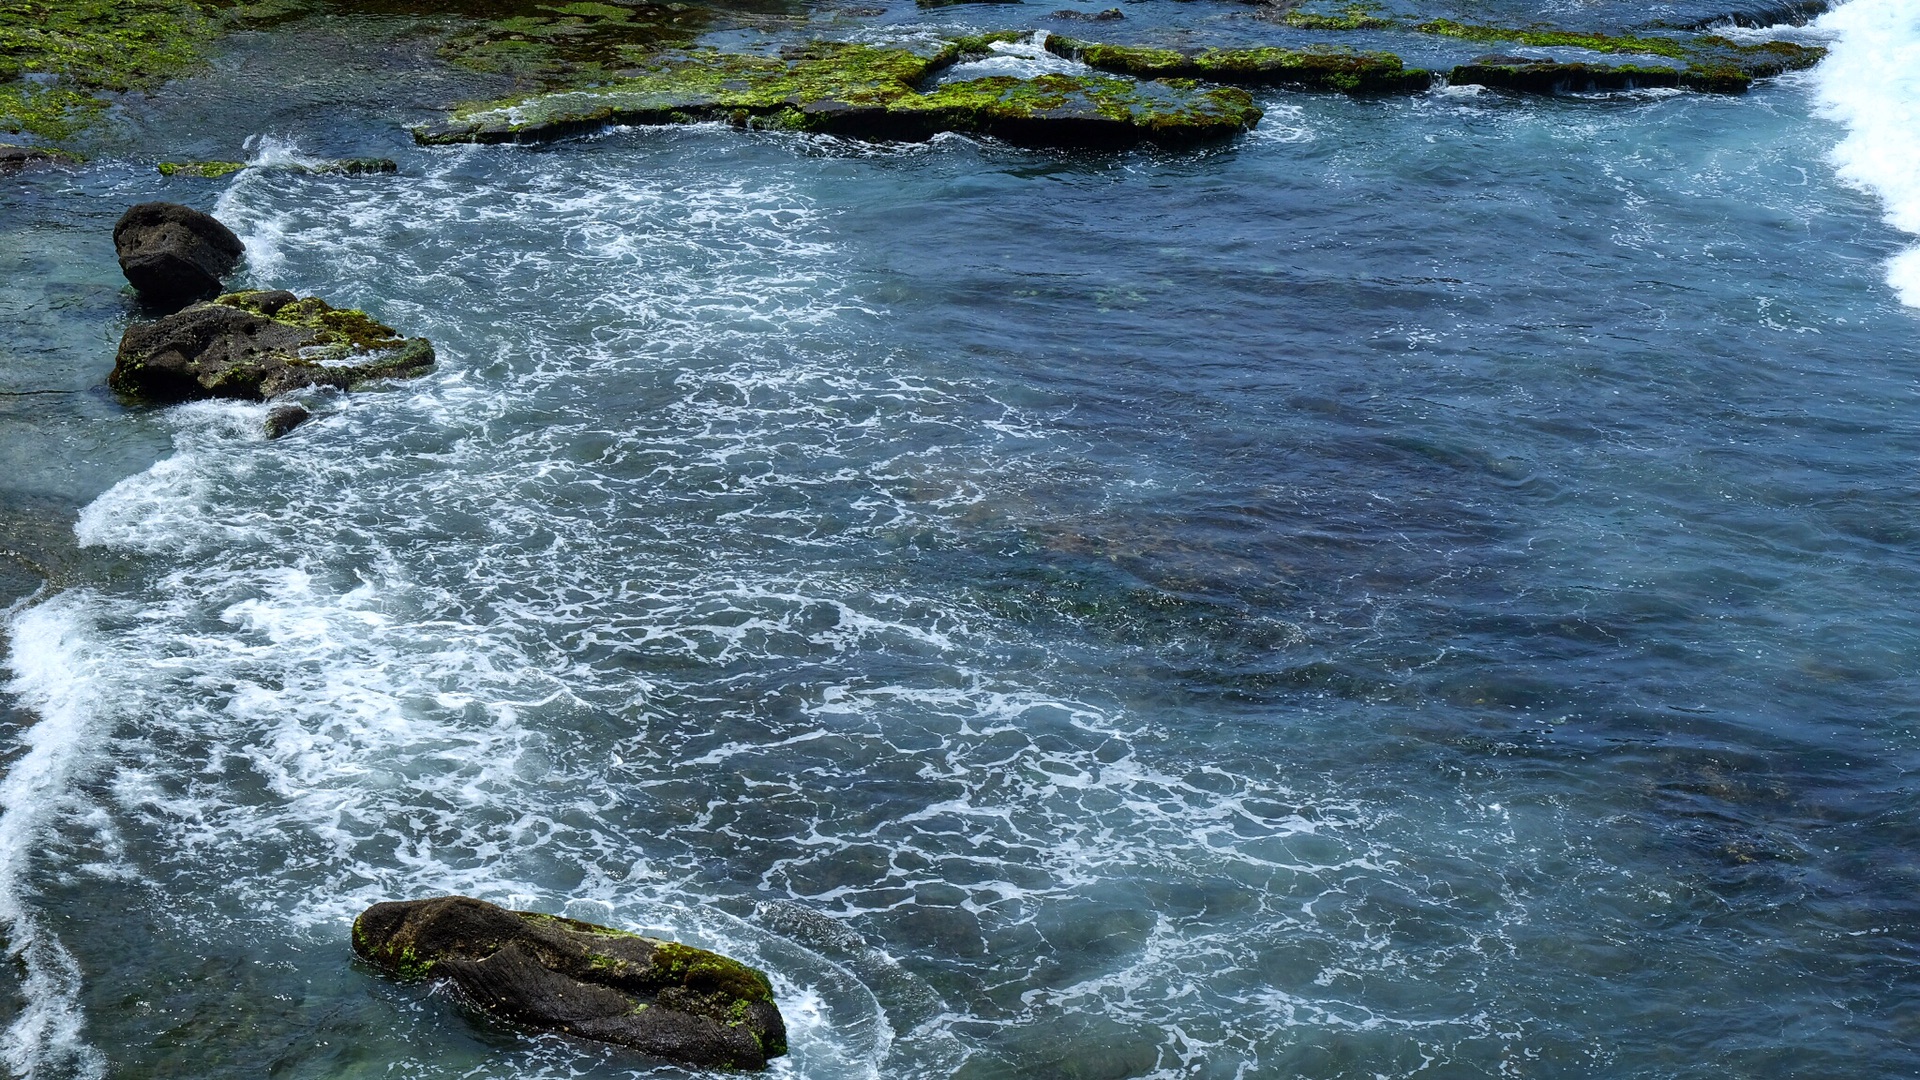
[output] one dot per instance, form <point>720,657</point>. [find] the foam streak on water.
<point>1871,82</point>
<point>46,1039</point>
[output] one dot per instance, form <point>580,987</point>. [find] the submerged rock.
<point>867,92</point>
<point>174,254</point>
<point>15,158</point>
<point>1319,69</point>
<point>1539,75</point>
<point>259,345</point>
<point>554,974</point>
<point>282,419</point>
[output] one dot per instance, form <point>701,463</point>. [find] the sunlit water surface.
<point>1426,589</point>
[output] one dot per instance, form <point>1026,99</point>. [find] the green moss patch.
<point>58,58</point>
<point>865,91</point>
<point>208,170</point>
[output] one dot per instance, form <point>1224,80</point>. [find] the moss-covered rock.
<point>1319,69</point>
<point>206,170</point>
<point>1715,65</point>
<point>869,92</point>
<point>258,345</point>
<point>555,974</point>
<point>215,170</point>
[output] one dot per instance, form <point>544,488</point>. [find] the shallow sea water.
<point>1426,589</point>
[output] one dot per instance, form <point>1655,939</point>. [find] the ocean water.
<point>1426,589</point>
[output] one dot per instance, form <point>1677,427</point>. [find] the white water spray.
<point>46,1037</point>
<point>1870,81</point>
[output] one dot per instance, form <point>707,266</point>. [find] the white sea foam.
<point>573,620</point>
<point>1870,81</point>
<point>49,662</point>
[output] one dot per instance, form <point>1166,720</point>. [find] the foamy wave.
<point>50,676</point>
<point>1870,81</point>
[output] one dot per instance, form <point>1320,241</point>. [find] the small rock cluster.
<point>252,346</point>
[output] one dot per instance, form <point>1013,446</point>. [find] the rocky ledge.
<point>1698,62</point>
<point>1315,69</point>
<point>867,92</point>
<point>259,345</point>
<point>672,1001</point>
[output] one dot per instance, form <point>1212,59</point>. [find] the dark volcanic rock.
<point>673,1001</point>
<point>1108,15</point>
<point>174,254</point>
<point>258,345</point>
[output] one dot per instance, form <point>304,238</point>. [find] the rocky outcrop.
<point>174,254</point>
<point>866,92</point>
<point>552,974</point>
<point>258,345</point>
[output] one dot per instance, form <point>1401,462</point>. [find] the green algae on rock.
<point>258,345</point>
<point>578,978</point>
<point>206,170</point>
<point>1319,69</point>
<point>57,57</point>
<point>869,92</point>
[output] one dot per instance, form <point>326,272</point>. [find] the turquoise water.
<point>1426,589</point>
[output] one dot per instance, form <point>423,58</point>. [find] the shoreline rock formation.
<point>868,92</point>
<point>576,978</point>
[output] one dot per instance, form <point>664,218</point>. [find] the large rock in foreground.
<point>673,1001</point>
<point>867,92</point>
<point>259,345</point>
<point>174,254</point>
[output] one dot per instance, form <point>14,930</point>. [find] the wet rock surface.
<point>282,419</point>
<point>174,254</point>
<point>259,345</point>
<point>554,974</point>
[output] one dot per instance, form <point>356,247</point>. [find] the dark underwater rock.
<point>174,254</point>
<point>1318,69</point>
<point>259,345</point>
<point>282,419</point>
<point>866,92</point>
<point>15,158</point>
<point>553,974</point>
<point>1535,75</point>
<point>1105,15</point>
